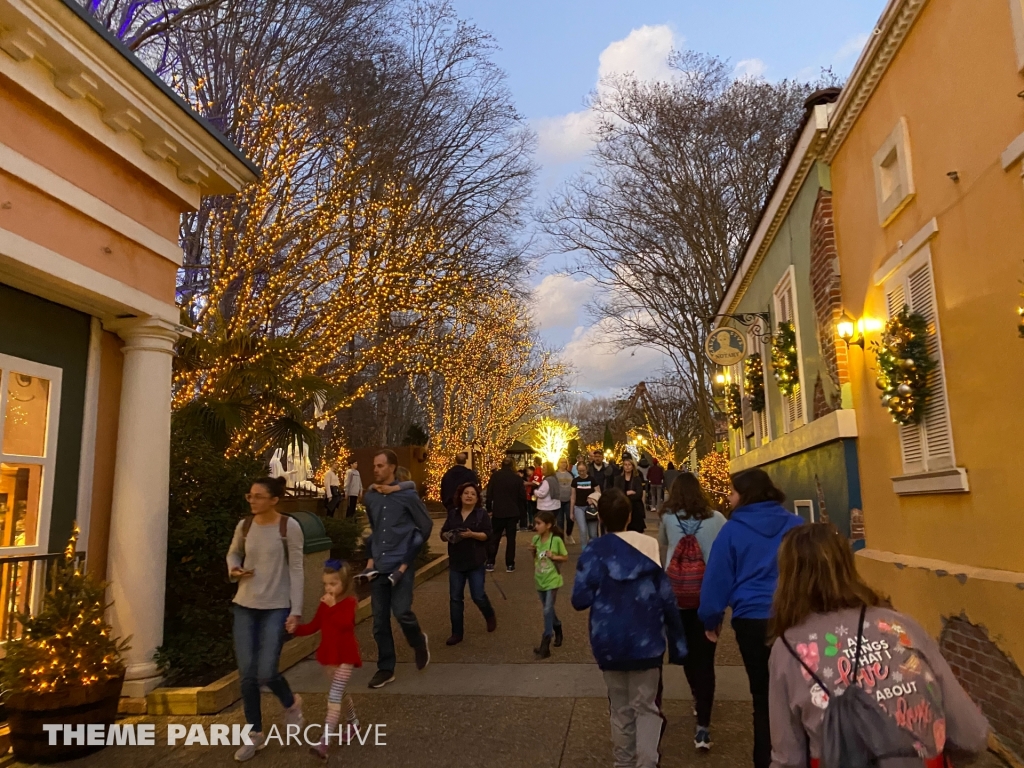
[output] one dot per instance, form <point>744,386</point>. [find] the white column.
<point>137,558</point>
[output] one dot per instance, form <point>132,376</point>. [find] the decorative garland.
<point>785,362</point>
<point>753,381</point>
<point>733,406</point>
<point>903,366</point>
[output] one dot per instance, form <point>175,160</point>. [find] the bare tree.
<point>681,172</point>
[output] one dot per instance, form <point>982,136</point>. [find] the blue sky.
<point>554,52</point>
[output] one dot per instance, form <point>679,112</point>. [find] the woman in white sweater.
<point>265,559</point>
<point>548,493</point>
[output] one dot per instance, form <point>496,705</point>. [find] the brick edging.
<point>220,694</point>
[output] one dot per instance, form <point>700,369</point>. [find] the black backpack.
<point>857,732</point>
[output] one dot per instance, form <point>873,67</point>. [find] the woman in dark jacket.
<point>467,530</point>
<point>631,483</point>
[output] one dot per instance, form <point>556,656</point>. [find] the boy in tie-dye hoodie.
<point>633,620</point>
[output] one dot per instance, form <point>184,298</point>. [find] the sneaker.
<point>293,715</point>
<point>702,739</point>
<point>248,751</point>
<point>351,728</point>
<point>423,654</point>
<point>489,568</point>
<point>366,576</point>
<point>381,678</point>
<point>510,569</point>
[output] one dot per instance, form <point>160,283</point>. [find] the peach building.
<point>925,148</point>
<point>98,159</point>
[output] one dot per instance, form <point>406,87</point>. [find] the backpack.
<point>686,569</point>
<point>857,732</point>
<point>282,528</point>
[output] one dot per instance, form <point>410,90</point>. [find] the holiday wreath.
<point>753,381</point>
<point>903,366</point>
<point>733,406</point>
<point>785,362</point>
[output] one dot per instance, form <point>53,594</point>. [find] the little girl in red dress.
<point>338,652</point>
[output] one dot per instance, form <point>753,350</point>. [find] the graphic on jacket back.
<point>891,670</point>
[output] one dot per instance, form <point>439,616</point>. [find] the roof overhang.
<point>59,54</point>
<point>885,42</point>
<point>791,178</point>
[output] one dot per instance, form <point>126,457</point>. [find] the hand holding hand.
<point>290,624</point>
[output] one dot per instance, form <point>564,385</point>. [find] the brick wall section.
<point>989,676</point>
<point>826,289</point>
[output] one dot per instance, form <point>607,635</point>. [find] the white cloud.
<point>559,301</point>
<point>752,68</point>
<point>600,368</point>
<point>643,52</point>
<point>851,48</point>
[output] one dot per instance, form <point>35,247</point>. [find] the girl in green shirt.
<point>548,548</point>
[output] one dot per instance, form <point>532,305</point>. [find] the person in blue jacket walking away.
<point>742,573</point>
<point>633,619</point>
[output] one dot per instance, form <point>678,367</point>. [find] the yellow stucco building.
<point>925,147</point>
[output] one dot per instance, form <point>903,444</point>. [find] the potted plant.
<point>65,668</point>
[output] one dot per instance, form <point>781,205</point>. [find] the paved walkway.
<point>483,703</point>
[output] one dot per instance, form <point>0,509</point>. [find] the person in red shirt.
<point>338,653</point>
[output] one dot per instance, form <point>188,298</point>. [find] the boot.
<point>545,648</point>
<point>558,637</point>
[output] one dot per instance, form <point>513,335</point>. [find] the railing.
<point>23,582</point>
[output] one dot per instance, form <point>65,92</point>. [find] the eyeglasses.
<point>256,496</point>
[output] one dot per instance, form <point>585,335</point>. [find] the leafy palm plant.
<point>247,392</point>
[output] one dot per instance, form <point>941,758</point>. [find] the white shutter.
<point>760,418</point>
<point>928,446</point>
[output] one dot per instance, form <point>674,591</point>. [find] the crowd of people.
<point>837,677</point>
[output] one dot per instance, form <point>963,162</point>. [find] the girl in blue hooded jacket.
<point>741,574</point>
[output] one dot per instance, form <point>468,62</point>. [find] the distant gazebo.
<point>521,453</point>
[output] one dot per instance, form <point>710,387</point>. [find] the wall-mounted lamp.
<point>845,328</point>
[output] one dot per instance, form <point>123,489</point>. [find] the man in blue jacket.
<point>398,520</point>
<point>632,608</point>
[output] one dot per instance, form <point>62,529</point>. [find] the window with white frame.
<point>29,414</point>
<point>805,508</point>
<point>1017,19</point>
<point>786,312</point>
<point>894,177</point>
<point>928,446</point>
<point>760,418</point>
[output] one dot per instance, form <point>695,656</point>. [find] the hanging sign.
<point>725,346</point>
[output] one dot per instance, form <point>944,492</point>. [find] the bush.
<point>207,499</point>
<point>346,535</point>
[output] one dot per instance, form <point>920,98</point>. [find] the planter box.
<point>221,694</point>
<point>28,712</point>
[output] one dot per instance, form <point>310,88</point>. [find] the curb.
<point>220,694</point>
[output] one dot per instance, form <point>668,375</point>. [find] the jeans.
<point>634,707</point>
<point>456,592</point>
<point>562,516</point>
<point>547,601</point>
<point>259,635</point>
<point>385,600</point>
<point>699,665</point>
<point>351,510</point>
<point>499,526</point>
<point>657,495</point>
<point>587,528</point>
<point>752,637</point>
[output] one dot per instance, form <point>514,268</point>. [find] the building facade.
<point>98,159</point>
<point>801,430</point>
<point>925,149</point>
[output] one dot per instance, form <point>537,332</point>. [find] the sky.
<point>554,53</point>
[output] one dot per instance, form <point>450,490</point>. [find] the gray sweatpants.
<point>635,712</point>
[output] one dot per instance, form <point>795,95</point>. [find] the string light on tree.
<point>714,477</point>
